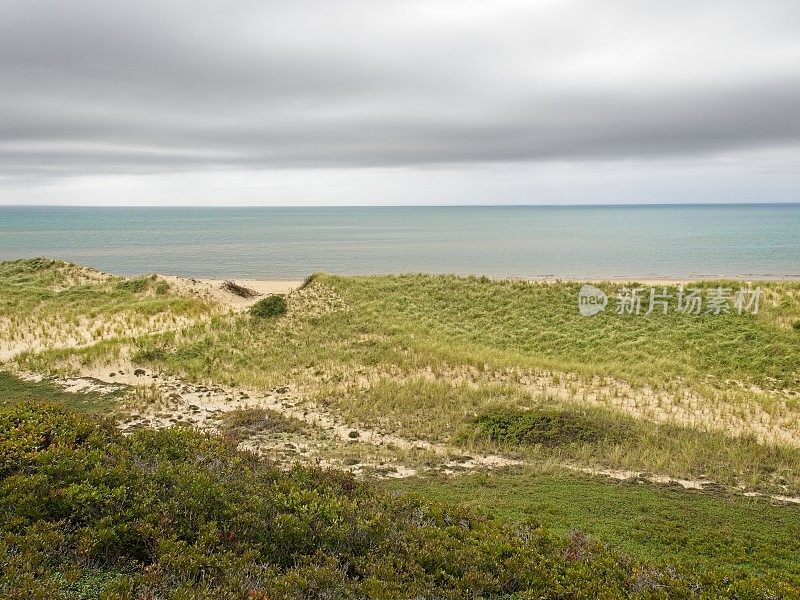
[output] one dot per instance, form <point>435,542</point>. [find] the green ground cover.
<point>654,523</point>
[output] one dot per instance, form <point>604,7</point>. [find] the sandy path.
<point>198,405</point>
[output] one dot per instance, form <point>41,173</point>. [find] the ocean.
<point>663,241</point>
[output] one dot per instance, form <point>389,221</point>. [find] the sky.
<point>240,102</point>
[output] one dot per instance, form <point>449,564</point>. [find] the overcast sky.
<point>399,102</point>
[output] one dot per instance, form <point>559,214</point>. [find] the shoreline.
<point>212,288</point>
<point>281,285</point>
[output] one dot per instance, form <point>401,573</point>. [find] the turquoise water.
<point>592,242</point>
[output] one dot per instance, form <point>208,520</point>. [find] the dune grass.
<point>502,419</point>
<point>44,303</point>
<point>713,395</point>
<point>508,367</point>
<point>426,320</point>
<point>538,324</point>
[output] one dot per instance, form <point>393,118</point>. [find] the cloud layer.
<point>152,88</point>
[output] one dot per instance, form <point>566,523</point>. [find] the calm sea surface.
<point>290,243</point>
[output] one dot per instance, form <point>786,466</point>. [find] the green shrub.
<point>28,428</point>
<point>241,423</point>
<point>150,354</point>
<point>796,325</point>
<point>89,513</point>
<point>25,266</point>
<point>273,305</point>
<point>551,426</point>
<point>134,286</point>
<point>162,287</point>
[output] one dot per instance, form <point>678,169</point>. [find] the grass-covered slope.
<point>88,513</point>
<point>712,395</point>
<point>46,303</point>
<point>413,320</point>
<point>539,324</point>
<point>439,321</point>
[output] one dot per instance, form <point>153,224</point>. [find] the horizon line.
<point>577,205</point>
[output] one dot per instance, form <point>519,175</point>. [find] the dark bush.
<point>551,426</point>
<point>308,281</point>
<point>273,305</point>
<point>162,287</point>
<point>134,286</point>
<point>244,422</point>
<point>150,354</point>
<point>239,290</point>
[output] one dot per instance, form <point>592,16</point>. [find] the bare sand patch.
<point>160,401</point>
<point>213,289</point>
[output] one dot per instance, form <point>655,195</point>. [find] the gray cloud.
<point>107,87</point>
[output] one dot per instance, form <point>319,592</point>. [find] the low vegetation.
<point>243,423</point>
<point>13,390</point>
<point>273,305</point>
<point>662,525</point>
<point>178,514</point>
<point>420,356</point>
